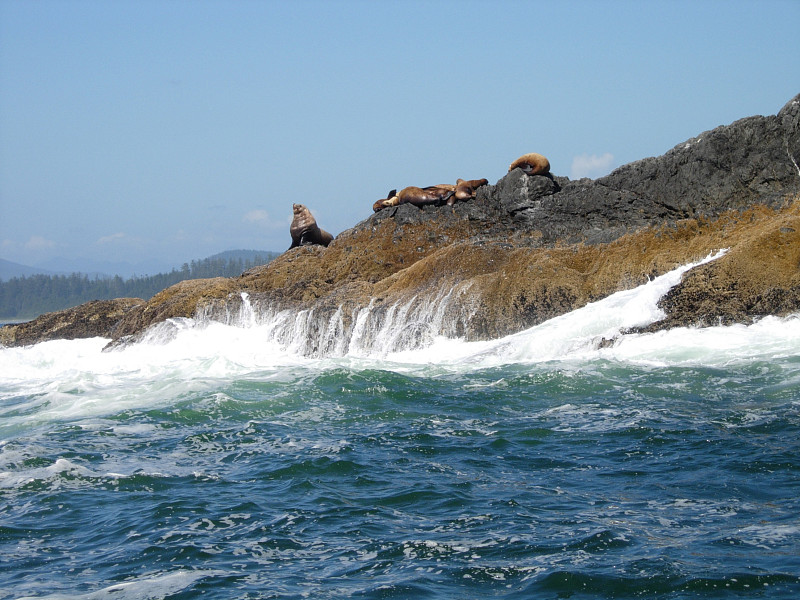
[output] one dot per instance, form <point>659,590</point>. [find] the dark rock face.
<point>752,161</point>
<point>518,192</point>
<point>731,167</point>
<point>790,120</point>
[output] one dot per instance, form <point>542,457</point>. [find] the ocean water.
<point>215,462</point>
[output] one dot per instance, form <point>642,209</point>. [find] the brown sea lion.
<point>417,196</point>
<point>433,194</point>
<point>531,164</point>
<point>390,200</point>
<point>304,229</point>
<point>465,190</point>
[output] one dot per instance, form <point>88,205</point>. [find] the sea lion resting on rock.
<point>304,229</point>
<point>465,190</point>
<point>432,194</point>
<point>531,164</point>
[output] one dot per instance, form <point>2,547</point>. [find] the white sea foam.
<point>16,478</point>
<point>573,336</point>
<point>770,536</point>
<point>64,380</point>
<point>144,588</point>
<point>770,337</point>
<point>67,380</point>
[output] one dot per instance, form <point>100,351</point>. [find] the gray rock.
<point>729,167</point>
<point>755,160</point>
<point>518,192</point>
<point>790,120</point>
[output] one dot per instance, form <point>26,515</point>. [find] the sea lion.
<point>390,200</point>
<point>465,190</point>
<point>531,164</point>
<point>417,196</point>
<point>433,194</point>
<point>304,229</point>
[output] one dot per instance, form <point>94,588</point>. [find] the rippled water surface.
<point>216,466</point>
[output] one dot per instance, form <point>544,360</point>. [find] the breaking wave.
<point>424,325</point>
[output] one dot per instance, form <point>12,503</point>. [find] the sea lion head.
<point>302,220</point>
<point>390,200</point>
<point>304,229</point>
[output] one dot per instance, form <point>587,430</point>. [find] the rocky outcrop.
<point>752,161</point>
<point>179,300</point>
<point>93,319</point>
<point>531,247</point>
<point>759,275</point>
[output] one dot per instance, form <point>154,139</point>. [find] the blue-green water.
<point>218,466</point>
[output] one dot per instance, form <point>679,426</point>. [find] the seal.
<point>432,194</point>
<point>465,190</point>
<point>531,164</point>
<point>304,229</point>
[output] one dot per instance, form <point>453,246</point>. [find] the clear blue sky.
<point>164,131</point>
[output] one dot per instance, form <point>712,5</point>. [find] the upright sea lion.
<point>417,196</point>
<point>304,229</point>
<point>531,164</point>
<point>465,190</point>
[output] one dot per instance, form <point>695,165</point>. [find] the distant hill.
<point>106,268</point>
<point>244,255</point>
<point>26,296</point>
<point>10,269</point>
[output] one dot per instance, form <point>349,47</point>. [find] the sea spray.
<point>412,324</point>
<point>362,331</point>
<point>412,335</point>
<point>581,332</point>
<point>416,322</point>
<point>247,314</point>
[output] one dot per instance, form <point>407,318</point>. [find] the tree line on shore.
<point>27,297</point>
